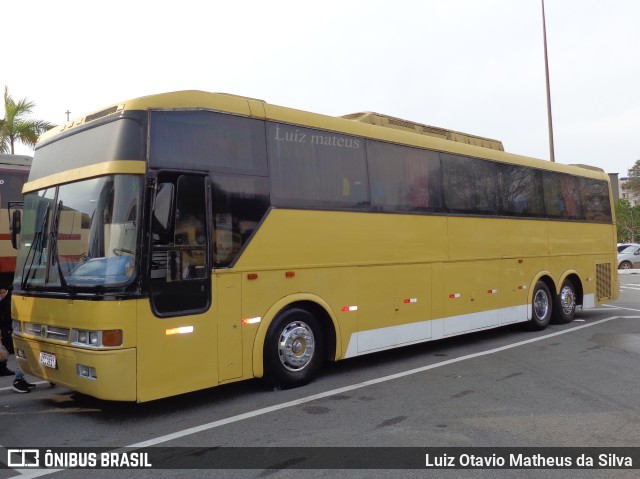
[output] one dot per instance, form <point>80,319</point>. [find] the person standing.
<point>6,327</point>
<point>20,384</point>
<point>4,357</point>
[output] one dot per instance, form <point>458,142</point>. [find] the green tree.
<point>16,127</point>
<point>632,186</point>
<point>628,221</point>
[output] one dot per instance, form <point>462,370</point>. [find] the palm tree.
<point>15,127</point>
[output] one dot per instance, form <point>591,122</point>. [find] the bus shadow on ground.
<point>235,397</point>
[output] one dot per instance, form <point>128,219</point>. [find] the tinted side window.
<point>470,185</point>
<point>239,203</point>
<point>404,178</point>
<point>595,198</point>
<point>316,169</point>
<point>520,191</point>
<point>207,140</point>
<point>562,196</point>
<point>116,139</point>
<point>190,225</point>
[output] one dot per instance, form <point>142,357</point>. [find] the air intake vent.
<point>402,123</point>
<point>603,281</point>
<point>387,121</point>
<point>100,114</point>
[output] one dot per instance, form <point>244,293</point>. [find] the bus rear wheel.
<point>293,350</point>
<point>564,309</point>
<point>541,307</point>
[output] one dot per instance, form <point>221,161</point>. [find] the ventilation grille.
<point>400,124</point>
<point>47,332</point>
<point>603,281</point>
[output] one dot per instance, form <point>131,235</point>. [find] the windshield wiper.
<point>36,245</point>
<point>55,259</point>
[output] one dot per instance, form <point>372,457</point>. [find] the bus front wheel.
<point>541,307</point>
<point>564,308</point>
<point>293,349</point>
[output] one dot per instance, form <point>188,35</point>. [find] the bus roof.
<point>194,99</point>
<point>367,125</point>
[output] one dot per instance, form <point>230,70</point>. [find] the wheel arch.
<point>316,306</point>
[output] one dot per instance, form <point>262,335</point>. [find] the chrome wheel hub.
<point>540,304</point>
<point>296,346</point>
<point>567,300</point>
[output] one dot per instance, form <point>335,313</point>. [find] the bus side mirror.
<point>16,226</point>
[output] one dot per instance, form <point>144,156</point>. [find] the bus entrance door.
<point>172,355</point>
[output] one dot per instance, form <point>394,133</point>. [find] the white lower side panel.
<point>514,314</point>
<point>589,301</point>
<point>385,338</point>
<point>365,342</point>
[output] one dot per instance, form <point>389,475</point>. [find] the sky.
<point>475,66</point>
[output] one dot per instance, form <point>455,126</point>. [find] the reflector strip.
<point>455,295</point>
<point>180,330</point>
<point>410,300</point>
<point>255,320</point>
<point>492,291</point>
<point>349,308</point>
<point>589,280</point>
<point>522,286</point>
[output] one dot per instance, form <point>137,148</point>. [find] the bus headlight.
<point>107,338</point>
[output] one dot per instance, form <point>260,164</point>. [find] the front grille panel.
<point>47,332</point>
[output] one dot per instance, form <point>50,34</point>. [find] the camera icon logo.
<point>20,458</point>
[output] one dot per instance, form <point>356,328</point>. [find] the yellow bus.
<point>184,240</point>
<point>14,170</point>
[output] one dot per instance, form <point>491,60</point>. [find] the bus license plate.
<point>48,360</point>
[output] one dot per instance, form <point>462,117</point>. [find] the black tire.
<point>564,307</point>
<point>625,265</point>
<point>293,349</point>
<point>541,307</point>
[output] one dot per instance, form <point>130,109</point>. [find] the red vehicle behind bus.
<point>14,170</point>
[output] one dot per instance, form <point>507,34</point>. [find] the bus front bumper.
<point>104,374</point>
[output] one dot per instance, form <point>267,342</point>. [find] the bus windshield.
<point>81,234</point>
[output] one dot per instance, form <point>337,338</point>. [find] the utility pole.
<point>68,113</point>
<point>546,69</point>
